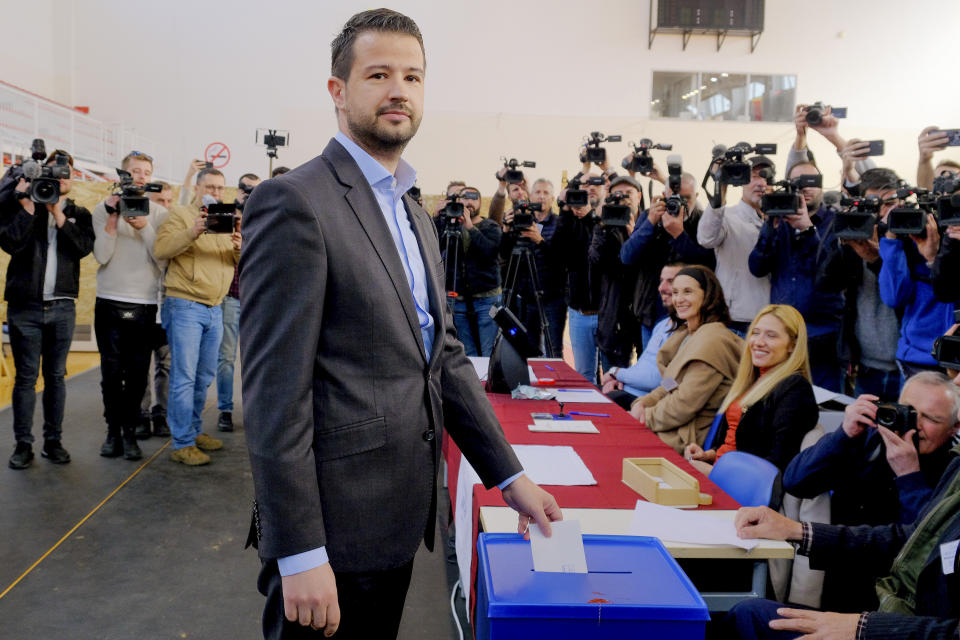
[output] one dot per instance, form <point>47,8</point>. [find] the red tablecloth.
<point>621,436</point>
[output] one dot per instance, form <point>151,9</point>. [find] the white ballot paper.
<point>553,465</point>
<point>563,426</point>
<point>670,524</point>
<point>480,365</point>
<point>562,552</point>
<point>580,395</point>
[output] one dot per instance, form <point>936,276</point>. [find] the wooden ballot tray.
<point>660,481</point>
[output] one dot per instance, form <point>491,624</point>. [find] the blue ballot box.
<point>634,589</point>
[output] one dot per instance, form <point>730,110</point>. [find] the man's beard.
<point>594,202</point>
<point>377,137</point>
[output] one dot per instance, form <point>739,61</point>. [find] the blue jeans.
<point>485,324</point>
<point>230,308</point>
<point>750,620</point>
<point>41,329</point>
<point>883,384</point>
<point>193,331</point>
<point>583,339</point>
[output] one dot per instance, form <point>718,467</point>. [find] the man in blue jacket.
<point>792,251</point>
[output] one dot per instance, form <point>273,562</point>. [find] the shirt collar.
<point>375,173</point>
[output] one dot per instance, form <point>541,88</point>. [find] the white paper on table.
<point>533,377</point>
<point>580,395</point>
<point>552,465</point>
<point>481,365</point>
<point>463,519</point>
<point>673,525</point>
<point>563,426</point>
<point>562,552</point>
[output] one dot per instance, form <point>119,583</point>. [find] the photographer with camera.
<point>202,243</point>
<point>46,235</point>
<point>128,283</point>
<point>821,119</point>
<point>230,310</point>
<point>538,237</point>
<point>881,467</point>
<point>930,141</point>
<point>515,189</point>
<point>473,271</point>
<point>732,232</point>
<point>571,245</point>
<point>618,331</point>
<point>792,249</point>
<point>667,232</point>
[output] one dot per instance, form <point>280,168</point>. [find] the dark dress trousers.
<point>343,411</point>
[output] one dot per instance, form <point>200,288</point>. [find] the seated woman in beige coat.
<point>698,363</point>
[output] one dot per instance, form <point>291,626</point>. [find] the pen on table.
<point>577,390</point>
<point>549,367</point>
<point>587,413</point>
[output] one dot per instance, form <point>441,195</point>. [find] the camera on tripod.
<point>814,113</point>
<point>513,175</point>
<point>945,188</point>
<point>787,200</point>
<point>44,181</point>
<point>674,203</point>
<point>523,215</point>
<point>857,219</point>
<point>641,161</point>
<point>593,152</point>
<point>133,203</point>
<point>911,219</point>
<point>734,170</point>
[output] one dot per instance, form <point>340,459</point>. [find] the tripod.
<point>522,256</point>
<point>452,243</point>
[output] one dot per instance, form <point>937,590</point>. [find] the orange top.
<point>734,413</point>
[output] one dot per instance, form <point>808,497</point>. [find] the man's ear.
<point>337,89</point>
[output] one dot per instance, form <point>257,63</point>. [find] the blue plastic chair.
<point>712,433</point>
<point>746,478</point>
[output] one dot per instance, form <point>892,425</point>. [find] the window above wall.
<point>707,95</point>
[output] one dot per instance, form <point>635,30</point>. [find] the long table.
<point>620,436</point>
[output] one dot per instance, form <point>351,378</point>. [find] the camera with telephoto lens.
<point>734,170</point>
<point>674,203</point>
<point>513,175</point>
<point>858,218</point>
<point>899,418</point>
<point>44,181</point>
<point>911,218</point>
<point>641,161</point>
<point>133,203</point>
<point>523,215</point>
<point>593,152</point>
<point>614,213</point>
<point>945,188</point>
<point>815,112</point>
<point>788,199</point>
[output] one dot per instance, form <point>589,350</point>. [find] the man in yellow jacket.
<point>198,278</point>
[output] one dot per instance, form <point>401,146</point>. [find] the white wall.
<point>526,79</point>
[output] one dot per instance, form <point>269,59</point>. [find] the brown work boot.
<point>190,456</point>
<point>207,443</point>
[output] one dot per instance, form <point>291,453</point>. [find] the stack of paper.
<point>671,524</point>
<point>563,426</point>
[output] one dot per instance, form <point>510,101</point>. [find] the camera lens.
<point>814,116</point>
<point>886,416</point>
<point>46,191</point>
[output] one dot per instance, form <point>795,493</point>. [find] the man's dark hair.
<point>810,163</point>
<point>949,163</point>
<point>714,307</point>
<point>247,176</point>
<point>279,171</point>
<point>383,20</point>
<point>208,171</point>
<point>878,180</point>
<point>455,183</point>
<point>59,152</point>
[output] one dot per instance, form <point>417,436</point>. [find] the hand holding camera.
<point>930,141</point>
<point>26,202</point>
<point>200,225</point>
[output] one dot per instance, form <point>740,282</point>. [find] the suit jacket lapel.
<point>365,207</point>
<point>435,297</point>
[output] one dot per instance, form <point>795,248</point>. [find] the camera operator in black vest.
<point>46,242</point>
<point>618,330</point>
<point>476,281</point>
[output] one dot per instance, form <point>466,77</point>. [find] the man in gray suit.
<point>351,363</point>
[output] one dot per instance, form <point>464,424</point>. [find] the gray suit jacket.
<point>343,413</point>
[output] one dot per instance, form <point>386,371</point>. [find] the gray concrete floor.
<point>163,558</point>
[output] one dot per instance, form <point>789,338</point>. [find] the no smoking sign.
<point>218,154</point>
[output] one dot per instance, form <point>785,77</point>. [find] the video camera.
<point>945,188</point>
<point>899,418</point>
<point>674,202</point>
<point>221,217</point>
<point>44,181</point>
<point>641,161</point>
<point>858,218</point>
<point>593,152</point>
<point>133,203</point>
<point>513,175</point>
<point>911,219</point>
<point>575,196</point>
<point>946,349</point>
<point>788,199</point>
<point>734,170</point>
<point>523,214</point>
<point>614,213</point>
<point>815,112</point>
